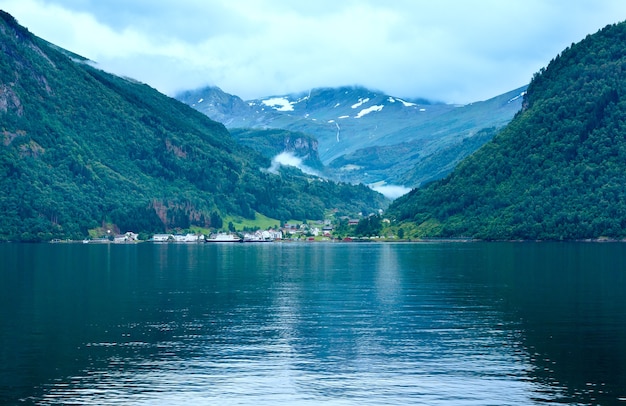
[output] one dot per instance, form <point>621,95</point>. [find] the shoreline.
<point>349,240</point>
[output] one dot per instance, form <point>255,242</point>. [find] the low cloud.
<point>391,191</point>
<point>289,159</point>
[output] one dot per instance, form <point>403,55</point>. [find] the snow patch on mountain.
<point>517,97</point>
<point>406,103</point>
<point>300,100</point>
<point>279,104</point>
<point>369,110</point>
<point>360,102</point>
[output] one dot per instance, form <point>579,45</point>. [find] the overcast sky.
<point>456,51</point>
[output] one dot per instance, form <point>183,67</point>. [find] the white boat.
<point>255,238</point>
<point>223,237</point>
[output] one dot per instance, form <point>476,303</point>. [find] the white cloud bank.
<point>448,50</point>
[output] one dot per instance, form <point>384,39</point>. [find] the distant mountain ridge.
<point>354,123</point>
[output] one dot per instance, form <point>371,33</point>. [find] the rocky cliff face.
<point>302,146</point>
<point>274,142</point>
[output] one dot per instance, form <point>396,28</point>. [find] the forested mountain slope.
<point>557,171</point>
<point>80,147</point>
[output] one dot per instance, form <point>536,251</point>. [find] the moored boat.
<point>257,239</point>
<point>223,237</point>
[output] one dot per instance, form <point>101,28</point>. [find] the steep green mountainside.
<point>352,124</point>
<point>557,171</point>
<point>80,147</point>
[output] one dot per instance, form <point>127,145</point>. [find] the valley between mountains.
<point>357,135</point>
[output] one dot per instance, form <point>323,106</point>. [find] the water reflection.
<point>571,306</point>
<point>309,323</point>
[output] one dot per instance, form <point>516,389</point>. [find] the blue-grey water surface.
<point>313,323</point>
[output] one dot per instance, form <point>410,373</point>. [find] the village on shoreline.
<point>315,231</point>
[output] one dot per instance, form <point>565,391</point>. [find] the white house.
<point>128,237</point>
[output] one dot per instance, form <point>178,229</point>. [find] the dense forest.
<point>557,171</point>
<point>81,147</point>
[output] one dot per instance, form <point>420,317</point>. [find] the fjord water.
<point>332,323</point>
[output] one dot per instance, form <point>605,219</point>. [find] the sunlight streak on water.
<point>327,342</point>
